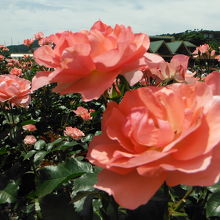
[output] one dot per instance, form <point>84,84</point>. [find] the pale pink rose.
<point>1,57</point>
<point>28,42</point>
<point>151,61</point>
<point>157,68</point>
<point>204,48</point>
<point>88,62</point>
<point>13,61</point>
<point>156,135</point>
<point>10,64</point>
<point>16,71</point>
<point>30,140</point>
<point>44,41</point>
<point>83,113</point>
<point>29,127</point>
<point>204,51</point>
<point>212,53</point>
<point>74,133</point>
<point>5,49</point>
<point>210,79</point>
<point>38,35</point>
<point>176,69</point>
<point>217,57</point>
<point>15,90</point>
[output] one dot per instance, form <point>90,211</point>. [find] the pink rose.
<point>176,69</point>
<point>74,133</point>
<point>16,71</point>
<point>1,57</point>
<point>28,42</point>
<point>202,49</point>
<point>38,35</point>
<point>88,62</point>
<point>44,41</point>
<point>15,90</point>
<point>5,49</point>
<point>217,57</point>
<point>210,79</point>
<point>83,113</point>
<point>156,135</point>
<point>159,70</point>
<point>30,140</point>
<point>29,127</point>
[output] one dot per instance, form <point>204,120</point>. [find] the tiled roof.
<point>171,48</point>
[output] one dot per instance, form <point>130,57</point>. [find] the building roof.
<point>174,46</point>
<point>165,38</point>
<point>171,48</point>
<point>180,47</point>
<point>189,44</point>
<point>155,45</point>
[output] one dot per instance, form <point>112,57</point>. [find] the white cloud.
<point>23,18</point>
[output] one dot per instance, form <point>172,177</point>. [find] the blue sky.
<point>20,19</point>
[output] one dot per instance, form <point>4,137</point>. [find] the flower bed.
<point>93,126</point>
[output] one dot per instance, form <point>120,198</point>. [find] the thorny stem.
<point>13,121</point>
<point>31,161</point>
<point>180,202</point>
<point>7,115</point>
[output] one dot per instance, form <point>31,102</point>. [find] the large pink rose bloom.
<point>14,89</point>
<point>87,62</point>
<point>156,135</point>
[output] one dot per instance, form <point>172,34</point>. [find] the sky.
<point>21,19</point>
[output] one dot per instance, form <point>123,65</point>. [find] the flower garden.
<point>93,126</point>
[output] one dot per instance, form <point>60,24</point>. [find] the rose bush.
<point>156,135</point>
<point>88,62</point>
<point>154,138</point>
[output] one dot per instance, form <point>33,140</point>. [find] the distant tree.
<point>194,36</point>
<point>22,48</point>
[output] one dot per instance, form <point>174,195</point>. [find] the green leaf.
<point>33,122</point>
<point>84,187</point>
<point>3,151</point>
<point>215,188</point>
<point>213,205</point>
<point>39,156</point>
<point>29,154</point>
<point>87,138</point>
<point>65,146</point>
<point>54,143</point>
<point>86,182</point>
<point>53,176</point>
<point>39,145</point>
<point>8,194</point>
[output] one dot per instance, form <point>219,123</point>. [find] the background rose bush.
<point>49,176</point>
